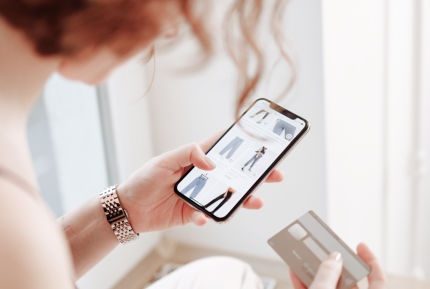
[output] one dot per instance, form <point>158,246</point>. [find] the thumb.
<point>328,273</point>
<point>184,156</point>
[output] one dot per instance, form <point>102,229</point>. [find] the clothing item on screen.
<point>252,161</point>
<point>231,147</point>
<point>266,113</point>
<point>197,185</point>
<point>258,155</point>
<point>224,197</point>
<point>282,126</point>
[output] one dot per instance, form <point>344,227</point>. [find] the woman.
<point>84,40</point>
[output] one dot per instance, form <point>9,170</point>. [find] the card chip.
<point>297,231</point>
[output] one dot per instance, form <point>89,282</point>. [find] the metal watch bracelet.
<point>117,216</point>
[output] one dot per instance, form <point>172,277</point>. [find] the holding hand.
<point>149,197</point>
<point>330,270</point>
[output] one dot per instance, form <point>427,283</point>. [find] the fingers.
<point>198,218</point>
<point>328,273</point>
<point>192,154</point>
<point>184,156</point>
<point>376,277</point>
<point>209,142</point>
<point>275,176</point>
<point>297,283</point>
<point>253,203</point>
<point>192,215</point>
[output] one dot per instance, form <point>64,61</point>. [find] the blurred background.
<point>363,69</point>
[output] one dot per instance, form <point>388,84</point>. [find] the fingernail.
<point>335,256</point>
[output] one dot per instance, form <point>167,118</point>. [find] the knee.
<point>215,272</point>
<point>221,262</point>
<point>227,264</point>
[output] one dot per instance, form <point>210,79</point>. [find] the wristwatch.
<point>117,216</point>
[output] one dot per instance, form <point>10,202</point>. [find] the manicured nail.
<point>335,256</point>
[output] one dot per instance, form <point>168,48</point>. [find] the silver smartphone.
<point>244,156</point>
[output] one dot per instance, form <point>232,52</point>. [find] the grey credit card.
<point>307,241</point>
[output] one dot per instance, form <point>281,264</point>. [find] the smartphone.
<point>244,156</point>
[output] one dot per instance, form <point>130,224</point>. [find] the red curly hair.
<point>68,27</point>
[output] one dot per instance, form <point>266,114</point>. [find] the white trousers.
<point>211,273</point>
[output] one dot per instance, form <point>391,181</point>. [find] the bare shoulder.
<point>33,251</point>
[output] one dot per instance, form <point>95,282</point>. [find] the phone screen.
<point>244,155</point>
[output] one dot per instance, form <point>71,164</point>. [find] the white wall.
<point>191,107</point>
<point>377,103</point>
<point>401,152</point>
<point>354,39</point>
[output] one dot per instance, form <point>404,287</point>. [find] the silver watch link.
<point>117,216</point>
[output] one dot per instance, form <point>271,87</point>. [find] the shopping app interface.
<point>241,158</point>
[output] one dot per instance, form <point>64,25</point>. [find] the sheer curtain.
<point>377,94</point>
<point>422,231</point>
<point>408,140</point>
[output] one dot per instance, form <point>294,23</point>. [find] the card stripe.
<point>315,248</point>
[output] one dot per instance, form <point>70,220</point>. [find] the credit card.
<point>306,242</point>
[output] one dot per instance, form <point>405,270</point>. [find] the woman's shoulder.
<point>34,254</point>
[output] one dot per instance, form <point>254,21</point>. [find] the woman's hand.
<point>150,200</point>
<point>330,270</point>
